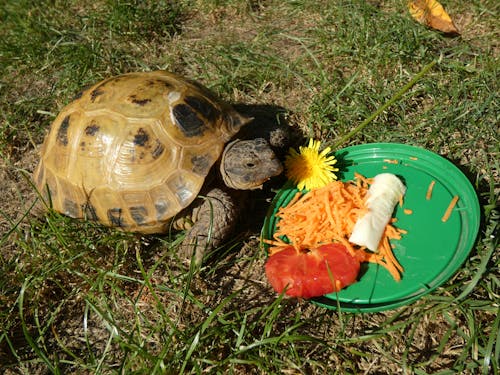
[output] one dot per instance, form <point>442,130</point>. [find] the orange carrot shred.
<point>428,195</point>
<point>448,211</point>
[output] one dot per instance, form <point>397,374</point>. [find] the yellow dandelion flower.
<point>309,168</point>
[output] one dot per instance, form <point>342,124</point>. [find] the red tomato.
<point>306,273</point>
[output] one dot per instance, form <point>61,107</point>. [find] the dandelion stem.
<point>387,104</point>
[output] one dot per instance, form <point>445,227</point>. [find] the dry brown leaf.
<point>431,13</point>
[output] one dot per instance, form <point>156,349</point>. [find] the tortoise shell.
<point>134,150</point>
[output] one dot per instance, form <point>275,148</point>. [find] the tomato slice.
<point>314,273</point>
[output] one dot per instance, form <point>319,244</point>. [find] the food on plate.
<point>428,195</point>
<point>383,195</point>
<point>327,216</point>
<point>449,209</point>
<point>313,272</point>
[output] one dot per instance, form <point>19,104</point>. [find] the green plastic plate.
<point>432,250</point>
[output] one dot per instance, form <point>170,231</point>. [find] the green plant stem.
<point>386,105</point>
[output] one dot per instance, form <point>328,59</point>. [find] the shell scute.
<point>162,209</point>
<point>96,139</point>
<point>62,132</point>
<point>188,120</point>
<point>199,161</point>
<point>115,217</point>
<point>139,214</point>
<point>89,212</point>
<point>184,186</point>
<point>71,208</point>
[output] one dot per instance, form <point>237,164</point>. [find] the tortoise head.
<point>247,164</point>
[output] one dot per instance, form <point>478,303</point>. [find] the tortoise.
<point>135,150</point>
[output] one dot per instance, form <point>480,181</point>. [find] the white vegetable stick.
<point>382,197</point>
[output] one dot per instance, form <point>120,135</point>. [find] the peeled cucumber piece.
<point>383,195</point>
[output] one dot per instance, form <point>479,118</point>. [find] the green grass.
<point>79,298</point>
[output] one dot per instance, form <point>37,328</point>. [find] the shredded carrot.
<point>328,215</point>
<point>391,161</point>
<point>413,158</point>
<point>407,211</point>
<point>448,211</point>
<point>428,195</point>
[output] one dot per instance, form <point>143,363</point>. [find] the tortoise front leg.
<point>214,220</point>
